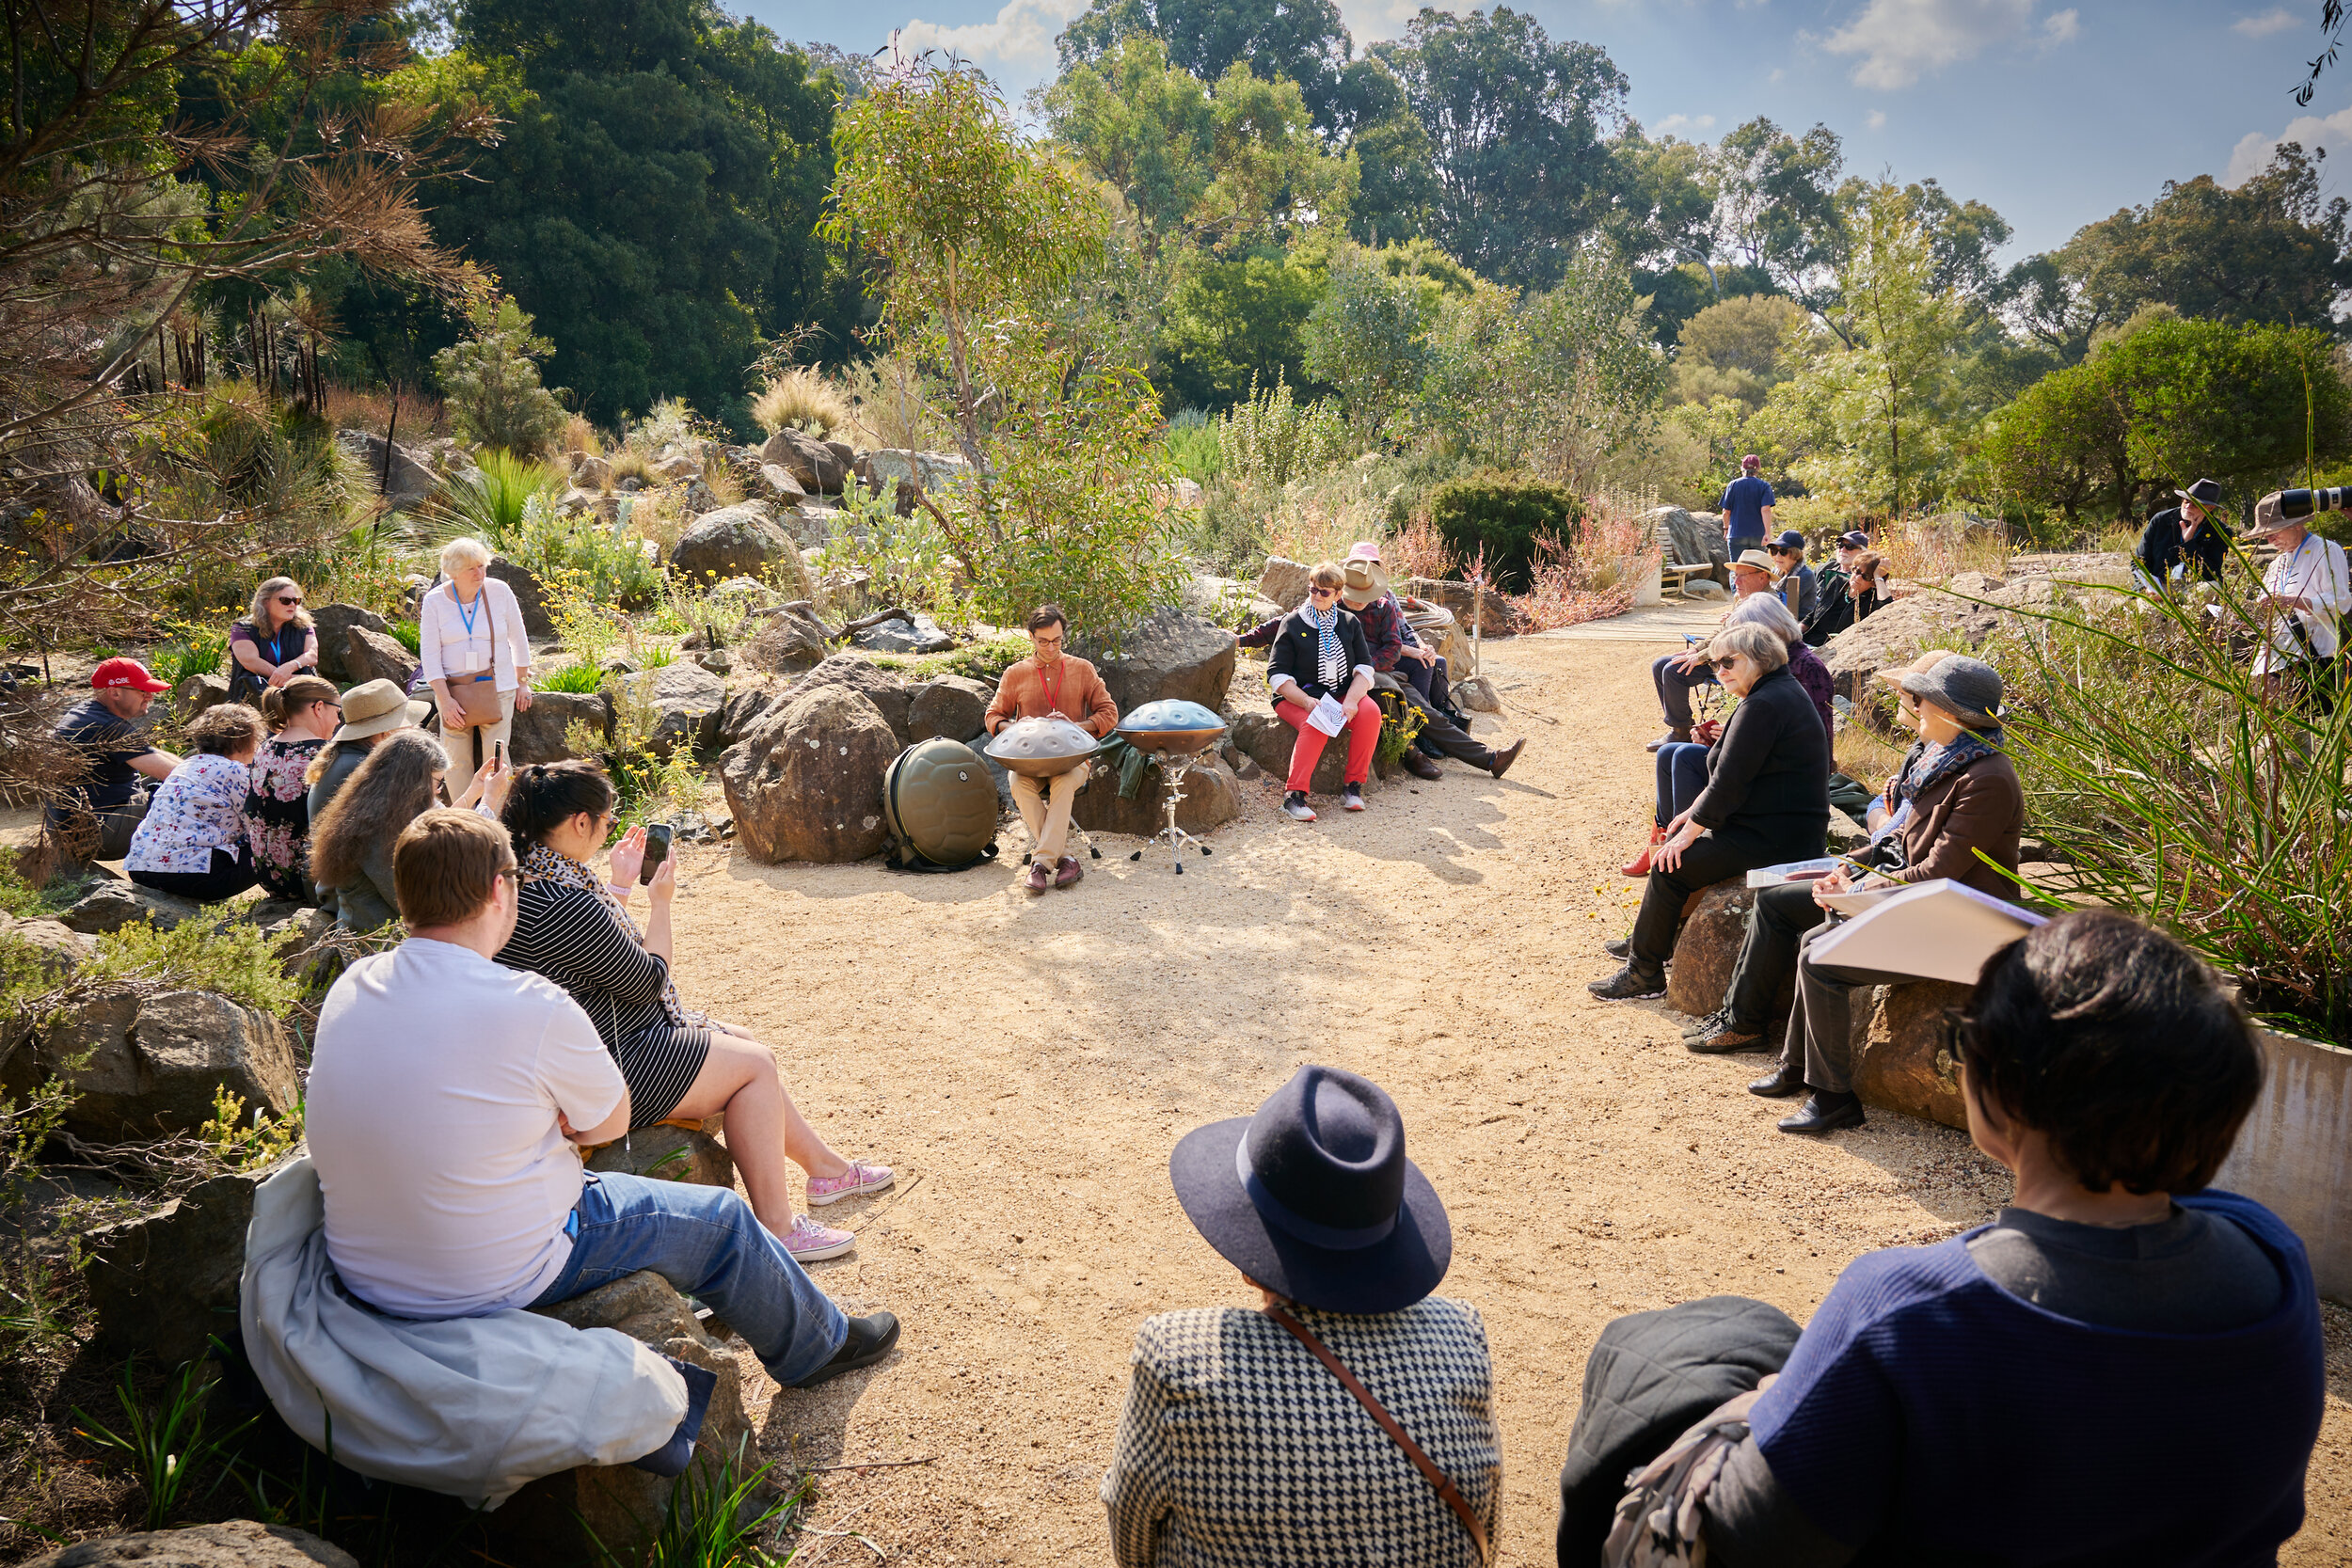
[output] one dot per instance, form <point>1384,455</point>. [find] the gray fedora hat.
<point>1968,688</point>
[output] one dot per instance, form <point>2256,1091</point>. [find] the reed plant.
<point>2169,780</point>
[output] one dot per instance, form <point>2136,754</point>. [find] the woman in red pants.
<point>1320,652</point>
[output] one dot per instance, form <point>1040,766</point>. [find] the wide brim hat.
<point>1759,562</point>
<point>2205,493</point>
<point>373,707</point>
<point>2269,520</point>
<point>1313,1198</point>
<point>1968,688</point>
<point>1892,675</point>
<point>1364,581</point>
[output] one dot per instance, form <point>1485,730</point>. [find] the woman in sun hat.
<point>371,711</point>
<point>1239,1443</point>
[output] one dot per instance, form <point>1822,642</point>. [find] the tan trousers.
<point>1048,820</point>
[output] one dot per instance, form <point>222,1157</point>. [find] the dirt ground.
<point>1027,1065</point>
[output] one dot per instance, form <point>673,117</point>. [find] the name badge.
<point>475,661</point>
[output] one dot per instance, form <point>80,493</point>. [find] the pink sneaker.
<point>858,1179</point>
<point>811,1242</point>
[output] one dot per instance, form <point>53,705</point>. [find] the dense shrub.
<point>492,380</point>
<point>1501,515</point>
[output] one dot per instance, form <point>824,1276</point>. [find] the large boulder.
<point>1492,613</point>
<point>591,472</point>
<point>745,707</point>
<point>732,542</point>
<point>332,622</point>
<point>952,705</point>
<point>905,634</point>
<point>793,640</point>
<point>813,464</point>
<point>687,699</point>
<point>375,656</point>
<point>196,693</point>
<point>892,697</point>
<point>1284,583</point>
<point>56,946</point>
<point>612,1514</point>
<point>669,1153</point>
<point>1902,1061</point>
<point>1961,611</point>
<point>542,731</point>
<point>155,1064</point>
<point>530,597</point>
<point>1266,740</point>
<point>166,1283</point>
<point>1709,949</point>
<point>1210,799</point>
<point>235,1544</point>
<point>1692,539</point>
<point>110,906</point>
<point>805,784</point>
<point>401,476</point>
<point>1168,655</point>
<point>886,467</point>
<point>1476,694</point>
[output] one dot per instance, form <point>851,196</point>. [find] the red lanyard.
<point>1053,687</point>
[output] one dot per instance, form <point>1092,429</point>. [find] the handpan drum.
<point>1041,748</point>
<point>1171,727</point>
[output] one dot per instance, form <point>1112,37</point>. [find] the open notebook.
<point>1939,930</point>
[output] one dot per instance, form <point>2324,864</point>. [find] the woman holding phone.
<point>573,926</point>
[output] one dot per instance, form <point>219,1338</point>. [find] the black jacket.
<point>2161,546</point>
<point>1295,648</point>
<point>1768,777</point>
<point>1832,612</point>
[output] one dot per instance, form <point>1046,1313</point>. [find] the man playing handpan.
<point>1047,683</point>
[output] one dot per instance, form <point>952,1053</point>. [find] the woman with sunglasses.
<point>1321,652</point>
<point>274,645</point>
<point>573,926</point>
<point>301,715</point>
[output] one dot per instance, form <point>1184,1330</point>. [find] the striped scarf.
<point>1330,661</point>
<point>545,864</point>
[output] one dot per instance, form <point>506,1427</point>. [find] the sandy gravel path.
<point>1027,1066</point>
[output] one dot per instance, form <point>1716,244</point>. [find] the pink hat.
<point>1365,550</point>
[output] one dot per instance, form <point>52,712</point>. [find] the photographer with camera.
<point>2306,590</point>
<point>573,926</point>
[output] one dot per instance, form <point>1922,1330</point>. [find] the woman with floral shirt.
<point>193,840</point>
<point>304,712</point>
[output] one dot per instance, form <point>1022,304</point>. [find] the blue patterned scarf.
<point>1930,766</point>
<point>1330,661</point>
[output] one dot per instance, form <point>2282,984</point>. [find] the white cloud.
<point>1674,124</point>
<point>1878,120</point>
<point>2277,18</point>
<point>1022,35</point>
<point>1901,41</point>
<point>2253,152</point>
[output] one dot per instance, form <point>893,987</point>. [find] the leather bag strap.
<point>1421,1462</point>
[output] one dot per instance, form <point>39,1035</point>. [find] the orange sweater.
<point>1084,699</point>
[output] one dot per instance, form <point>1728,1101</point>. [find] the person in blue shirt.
<point>1747,508</point>
<point>2123,1366</point>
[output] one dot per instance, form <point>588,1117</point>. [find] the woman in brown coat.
<point>1964,796</point>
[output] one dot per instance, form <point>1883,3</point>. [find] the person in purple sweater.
<point>2122,1368</point>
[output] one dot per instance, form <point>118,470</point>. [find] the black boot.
<point>1825,1111</point>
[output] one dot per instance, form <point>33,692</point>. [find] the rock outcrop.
<point>815,465</point>
<point>732,541</point>
<point>196,693</point>
<point>541,732</point>
<point>400,475</point>
<point>110,906</point>
<point>1284,583</point>
<point>1170,653</point>
<point>952,705</point>
<point>155,1064</point>
<point>793,640</point>
<point>905,634</point>
<point>375,656</point>
<point>1901,1060</point>
<point>1210,799</point>
<point>530,597</point>
<point>890,695</point>
<point>805,784</point>
<point>166,1283</point>
<point>668,1153</point>
<point>235,1544</point>
<point>1267,741</point>
<point>685,698</point>
<point>333,622</point>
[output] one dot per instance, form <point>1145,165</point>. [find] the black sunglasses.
<point>289,599</point>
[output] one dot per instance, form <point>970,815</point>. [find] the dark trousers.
<point>1767,953</point>
<point>1707,862</point>
<point>1439,736</point>
<point>1821,1029</point>
<point>1681,778</point>
<point>1651,1376</point>
<point>1673,688</point>
<point>98,835</point>
<point>229,876</point>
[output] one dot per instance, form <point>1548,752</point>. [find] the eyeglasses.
<point>289,598</point>
<point>1323,592</point>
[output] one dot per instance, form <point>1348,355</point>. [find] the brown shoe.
<point>1040,875</point>
<point>1420,766</point>
<point>1069,871</point>
<point>1504,758</point>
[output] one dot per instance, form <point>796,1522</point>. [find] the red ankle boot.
<point>1640,864</point>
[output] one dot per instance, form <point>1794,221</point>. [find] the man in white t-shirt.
<point>446,1098</point>
<point>2305,592</point>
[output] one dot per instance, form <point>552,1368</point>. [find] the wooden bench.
<point>1682,572</point>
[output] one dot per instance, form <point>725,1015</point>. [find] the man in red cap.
<point>96,811</point>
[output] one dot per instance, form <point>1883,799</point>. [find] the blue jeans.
<point>1681,777</point>
<point>707,1242</point>
<point>1673,688</point>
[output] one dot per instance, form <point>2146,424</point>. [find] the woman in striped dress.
<point>574,927</point>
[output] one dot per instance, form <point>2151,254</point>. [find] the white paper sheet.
<point>1938,931</point>
<point>1329,716</point>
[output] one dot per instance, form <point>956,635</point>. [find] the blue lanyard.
<point>464,614</point>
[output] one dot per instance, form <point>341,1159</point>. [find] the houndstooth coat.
<point>1239,1449</point>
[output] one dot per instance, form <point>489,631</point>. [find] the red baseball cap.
<point>126,672</point>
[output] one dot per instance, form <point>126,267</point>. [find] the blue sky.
<point>2055,114</point>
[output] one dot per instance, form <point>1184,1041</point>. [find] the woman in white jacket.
<point>469,633</point>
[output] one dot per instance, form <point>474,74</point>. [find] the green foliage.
<point>197,653</point>
<point>166,1445</point>
<point>210,951</point>
<point>1298,40</point>
<point>1193,447</point>
<point>989,660</point>
<point>578,680</point>
<point>2167,403</point>
<point>2173,786</point>
<point>1271,438</point>
<point>1776,207</point>
<point>608,568</point>
<point>717,1516</point>
<point>1735,348</point>
<point>1366,336</point>
<point>491,381</point>
<point>491,504</point>
<point>408,634</point>
<point>1230,323</point>
<point>1500,516</point>
<point>248,1142</point>
<point>910,559</point>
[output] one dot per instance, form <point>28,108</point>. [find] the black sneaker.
<point>871,1338</point>
<point>1704,1025</point>
<point>1630,985</point>
<point>1621,947</point>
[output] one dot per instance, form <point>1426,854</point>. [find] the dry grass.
<point>1929,550</point>
<point>720,478</point>
<point>580,436</point>
<point>629,463</point>
<point>891,408</point>
<point>802,399</point>
<point>1419,550</point>
<point>660,516</point>
<point>422,417</point>
<point>1615,548</point>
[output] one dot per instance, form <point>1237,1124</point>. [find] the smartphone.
<point>498,752</point>
<point>657,851</point>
